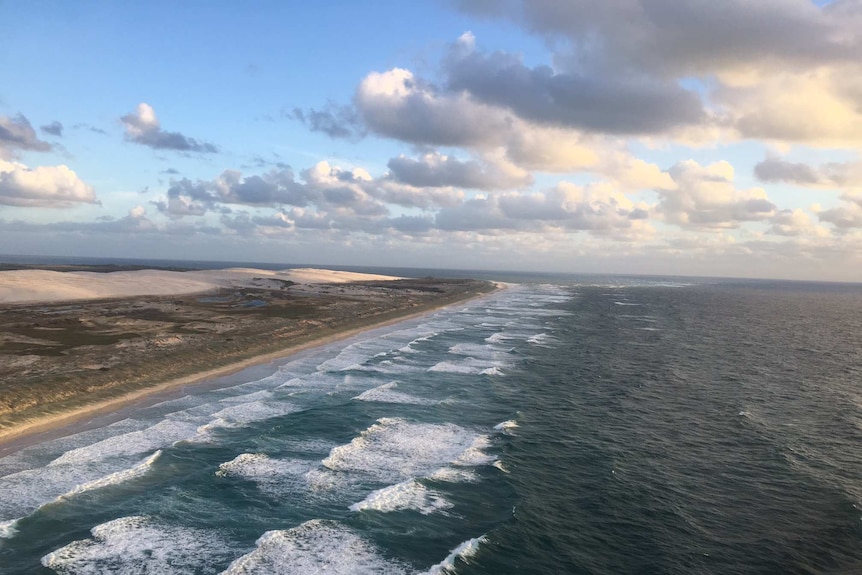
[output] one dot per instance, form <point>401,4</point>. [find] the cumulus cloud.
<point>551,149</point>
<point>817,106</point>
<point>16,133</point>
<point>187,198</point>
<point>390,191</point>
<point>599,209</point>
<point>705,196</point>
<point>277,187</point>
<point>195,198</point>
<point>846,216</point>
<point>397,104</point>
<point>345,193</point>
<point>333,120</point>
<point>143,127</point>
<point>686,38</point>
<point>438,170</point>
<point>136,222</point>
<point>42,187</point>
<point>795,223</point>
<point>784,70</point>
<point>55,128</point>
<point>344,190</point>
<point>333,199</point>
<point>832,174</point>
<point>596,101</point>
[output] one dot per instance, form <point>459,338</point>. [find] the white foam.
<point>143,546</point>
<point>454,475</point>
<point>468,366</point>
<point>498,337</point>
<point>185,402</point>
<point>465,551</point>
<point>313,380</point>
<point>476,350</point>
<point>475,455</point>
<point>162,434</point>
<point>541,339</point>
<point>321,480</point>
<point>26,491</point>
<point>352,355</point>
<point>507,427</point>
<point>394,449</point>
<point>385,394</point>
<point>8,529</point>
<point>409,347</point>
<point>385,366</point>
<point>521,330</point>
<point>314,547</point>
<point>644,318</point>
<point>408,494</point>
<point>117,477</point>
<point>492,371</point>
<point>261,395</point>
<point>525,309</point>
<point>279,477</point>
<point>272,476</point>
<point>244,414</point>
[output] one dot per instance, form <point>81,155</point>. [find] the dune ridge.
<point>35,286</point>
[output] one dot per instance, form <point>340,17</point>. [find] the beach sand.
<point>72,351</point>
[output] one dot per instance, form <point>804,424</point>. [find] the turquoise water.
<point>613,426</point>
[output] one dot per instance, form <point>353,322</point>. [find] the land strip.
<point>65,360</point>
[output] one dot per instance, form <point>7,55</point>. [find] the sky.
<point>685,137</point>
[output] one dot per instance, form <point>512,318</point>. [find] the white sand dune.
<point>33,286</point>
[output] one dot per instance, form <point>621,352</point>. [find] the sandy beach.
<point>94,343</point>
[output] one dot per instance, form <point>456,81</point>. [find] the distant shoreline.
<point>44,427</point>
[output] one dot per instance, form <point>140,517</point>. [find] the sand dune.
<point>33,286</point>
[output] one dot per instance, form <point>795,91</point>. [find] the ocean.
<point>593,425</point>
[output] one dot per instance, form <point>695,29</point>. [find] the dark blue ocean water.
<point>599,425</point>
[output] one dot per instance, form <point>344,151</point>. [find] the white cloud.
<point>397,104</point>
<point>143,127</point>
<point>795,223</point>
<point>598,208</point>
<point>834,175</point>
<point>815,106</point>
<point>705,196</point>
<point>438,170</point>
<point>17,134</point>
<point>42,187</point>
<point>846,216</point>
<point>593,101</point>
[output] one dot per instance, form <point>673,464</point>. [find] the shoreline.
<point>48,427</point>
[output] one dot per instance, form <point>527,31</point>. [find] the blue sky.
<point>630,136</point>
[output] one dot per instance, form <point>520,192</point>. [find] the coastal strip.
<point>153,345</point>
